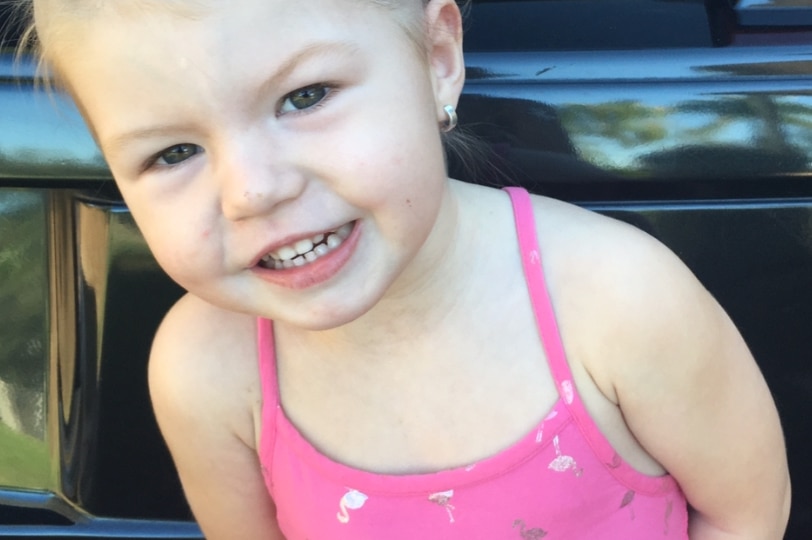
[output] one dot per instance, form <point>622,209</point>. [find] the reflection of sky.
<point>681,129</point>
<point>17,201</point>
<point>714,114</point>
<point>48,125</point>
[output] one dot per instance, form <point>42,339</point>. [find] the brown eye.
<point>178,153</point>
<point>304,98</point>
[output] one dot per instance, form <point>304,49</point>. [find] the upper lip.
<point>290,240</point>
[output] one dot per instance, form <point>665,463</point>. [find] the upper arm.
<point>692,394</point>
<point>203,394</point>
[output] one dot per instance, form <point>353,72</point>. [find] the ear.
<point>444,30</point>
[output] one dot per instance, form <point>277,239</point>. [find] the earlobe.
<point>445,52</point>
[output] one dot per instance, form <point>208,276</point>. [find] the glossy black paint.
<point>701,135</point>
<point>774,12</point>
<point>611,24</point>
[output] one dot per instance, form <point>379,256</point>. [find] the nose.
<point>253,179</point>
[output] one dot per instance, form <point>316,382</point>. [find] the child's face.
<point>245,126</point>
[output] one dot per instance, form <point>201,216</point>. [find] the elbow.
<point>775,528</point>
<point>769,522</point>
<point>786,504</point>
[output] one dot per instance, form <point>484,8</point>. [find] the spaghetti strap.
<point>557,358</point>
<point>267,362</point>
<point>266,358</point>
<point>539,295</point>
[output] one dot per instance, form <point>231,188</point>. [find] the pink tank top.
<point>562,480</point>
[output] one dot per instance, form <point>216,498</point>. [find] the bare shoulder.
<point>614,280</point>
<point>202,357</point>
<point>659,346</point>
<point>615,286</point>
<point>204,384</point>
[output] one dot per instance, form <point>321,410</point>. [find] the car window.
<point>587,25</point>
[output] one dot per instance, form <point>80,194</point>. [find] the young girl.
<point>372,350</point>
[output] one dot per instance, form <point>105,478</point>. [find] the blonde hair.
<point>40,34</point>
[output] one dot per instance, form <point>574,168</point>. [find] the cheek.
<point>180,244</point>
<point>378,176</point>
<point>401,188</point>
<point>184,259</point>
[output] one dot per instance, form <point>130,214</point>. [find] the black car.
<point>690,119</point>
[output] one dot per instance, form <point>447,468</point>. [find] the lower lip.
<point>316,272</point>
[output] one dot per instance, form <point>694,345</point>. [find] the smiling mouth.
<point>306,250</point>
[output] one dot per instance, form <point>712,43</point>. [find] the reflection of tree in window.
<point>745,135</point>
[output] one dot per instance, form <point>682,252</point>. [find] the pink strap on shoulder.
<point>267,362</point>
<point>537,287</point>
<point>266,358</point>
<point>557,359</point>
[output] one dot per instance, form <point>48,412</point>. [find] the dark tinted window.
<point>587,25</point>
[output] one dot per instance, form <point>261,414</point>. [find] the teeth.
<point>284,253</point>
<point>307,250</point>
<point>303,246</point>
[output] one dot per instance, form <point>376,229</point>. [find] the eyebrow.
<point>312,50</point>
<point>117,142</point>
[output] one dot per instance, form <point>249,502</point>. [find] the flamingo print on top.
<point>562,480</point>
<point>567,391</point>
<point>443,499</point>
<point>540,431</point>
<point>352,500</point>
<point>563,463</point>
<point>529,534</point>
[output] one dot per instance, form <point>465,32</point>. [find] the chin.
<point>324,319</point>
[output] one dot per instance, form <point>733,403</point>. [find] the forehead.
<point>50,14</point>
<point>84,30</point>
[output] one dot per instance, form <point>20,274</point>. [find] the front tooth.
<point>285,253</point>
<point>303,246</point>
<point>321,249</point>
<point>299,261</point>
<point>318,238</point>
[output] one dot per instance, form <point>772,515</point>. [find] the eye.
<point>177,154</point>
<point>304,98</point>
